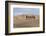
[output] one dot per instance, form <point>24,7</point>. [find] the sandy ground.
<point>25,22</point>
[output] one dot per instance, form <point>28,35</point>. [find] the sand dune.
<point>21,21</point>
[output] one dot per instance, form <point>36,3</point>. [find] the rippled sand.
<point>19,23</point>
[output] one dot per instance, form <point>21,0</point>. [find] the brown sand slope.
<point>21,21</point>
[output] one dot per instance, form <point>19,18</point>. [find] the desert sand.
<point>21,21</point>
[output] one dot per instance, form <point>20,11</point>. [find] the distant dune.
<point>23,21</point>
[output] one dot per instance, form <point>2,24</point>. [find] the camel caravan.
<point>32,17</point>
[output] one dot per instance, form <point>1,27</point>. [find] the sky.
<point>20,11</point>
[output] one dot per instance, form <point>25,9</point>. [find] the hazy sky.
<point>20,11</point>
